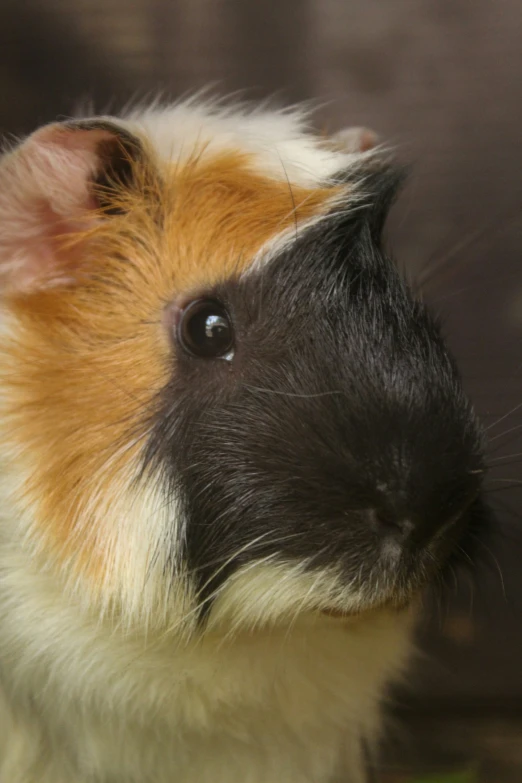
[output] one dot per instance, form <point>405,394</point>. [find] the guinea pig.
<point>234,449</point>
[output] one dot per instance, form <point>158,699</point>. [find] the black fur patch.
<point>341,406</point>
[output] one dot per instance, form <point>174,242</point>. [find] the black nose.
<point>390,524</point>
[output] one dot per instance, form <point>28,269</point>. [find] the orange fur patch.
<point>88,359</point>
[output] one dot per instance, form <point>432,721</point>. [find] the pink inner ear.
<point>356,139</point>
<point>44,195</point>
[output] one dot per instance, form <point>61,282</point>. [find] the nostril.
<point>387,523</point>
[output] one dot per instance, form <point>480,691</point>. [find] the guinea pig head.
<point>220,400</point>
<point>315,424</point>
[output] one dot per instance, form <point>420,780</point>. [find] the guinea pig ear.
<point>353,140</point>
<point>57,183</point>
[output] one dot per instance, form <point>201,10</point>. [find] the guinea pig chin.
<point>330,461</point>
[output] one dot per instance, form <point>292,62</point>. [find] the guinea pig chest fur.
<point>233,450</point>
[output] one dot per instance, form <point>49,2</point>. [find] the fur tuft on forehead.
<point>280,144</point>
<point>115,238</point>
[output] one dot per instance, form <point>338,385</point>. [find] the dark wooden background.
<point>442,79</point>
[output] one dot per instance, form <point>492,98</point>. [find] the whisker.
<point>517,482</point>
<point>507,456</point>
<point>219,560</point>
<point>511,511</point>
<point>505,416</point>
<point>245,548</point>
<point>294,394</point>
<point>477,284</point>
<point>495,562</point>
<point>506,432</point>
<point>493,490</point>
<point>427,275</point>
<point>463,551</point>
<point>291,192</point>
<point>505,464</point>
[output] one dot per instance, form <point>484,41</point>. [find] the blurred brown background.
<point>443,80</point>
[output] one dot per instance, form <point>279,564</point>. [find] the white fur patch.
<point>280,142</point>
<point>276,705</point>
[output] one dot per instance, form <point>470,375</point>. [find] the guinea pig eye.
<point>204,330</point>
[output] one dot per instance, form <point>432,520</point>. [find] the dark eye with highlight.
<point>204,330</point>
